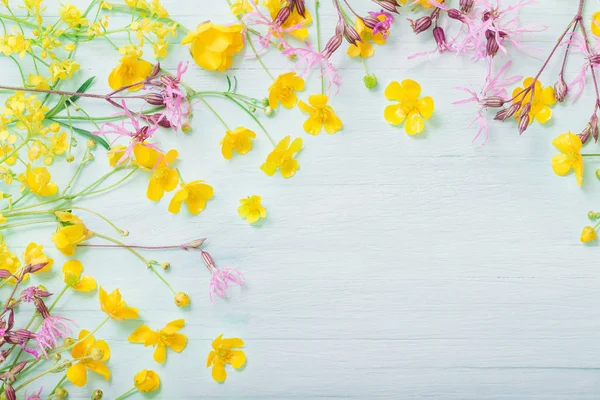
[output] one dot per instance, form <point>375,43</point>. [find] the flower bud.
<point>389,5</point>
<point>165,266</point>
<point>523,123</point>
<point>370,81</point>
<point>456,14</point>
<point>351,35</point>
<point>194,244</point>
<point>97,354</point>
<point>421,24</point>
<point>5,274</point>
<point>182,299</point>
<point>370,21</point>
<point>69,341</point>
<point>585,134</point>
<point>561,89</point>
<point>265,102</point>
<point>155,99</point>
<point>299,6</point>
<point>588,234</point>
<point>525,110</point>
<point>155,71</point>
<point>268,111</point>
<point>595,59</point>
<point>493,102</point>
<point>594,127</point>
<point>98,394</point>
<point>282,16</point>
<point>591,215</point>
<point>61,393</point>
<point>91,144</point>
<point>186,128</point>
<point>466,5</point>
<point>492,46</point>
<point>56,356</point>
<point>440,37</point>
<point>70,158</point>
<point>332,45</point>
<point>9,392</point>
<point>146,381</point>
<point>506,113</point>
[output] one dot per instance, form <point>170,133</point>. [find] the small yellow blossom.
<point>88,354</point>
<point>569,145</point>
<point>195,194</point>
<point>282,158</point>
<point>59,143</point>
<point>113,305</point>
<point>166,337</point>
<point>157,9</point>
<point>146,381</point>
<point>321,115</point>
<point>251,209</point>
<point>130,70</point>
<point>71,232</point>
<point>71,275</point>
<point>72,16</point>
<point>283,90</point>
<point>240,140</point>
<point>115,154</point>
<point>34,254</point>
<point>38,181</point>
<point>223,354</point>
<point>364,48</point>
<point>241,7</point>
<point>182,299</point>
<point>9,261</point>
<point>411,107</point>
<point>160,48</point>
<point>213,46</point>
<point>543,97</point>
<point>149,158</point>
<point>62,69</point>
<point>588,234</point>
<point>163,179</point>
<point>38,82</point>
<point>15,44</point>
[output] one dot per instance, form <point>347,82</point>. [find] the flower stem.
<point>216,114</point>
<point>116,228</point>
<point>258,57</point>
<point>127,393</point>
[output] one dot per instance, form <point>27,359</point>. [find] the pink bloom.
<point>382,27</point>
<point>53,329</point>
<point>577,42</point>
<point>274,28</point>
<point>33,396</point>
<point>169,94</point>
<point>131,129</point>
<point>312,59</point>
<point>221,278</point>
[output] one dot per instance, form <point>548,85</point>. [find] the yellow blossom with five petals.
<point>195,194</point>
<point>569,145</point>
<point>166,337</point>
<point>364,48</point>
<point>88,354</point>
<point>282,158</point>
<point>321,115</point>
<point>240,140</point>
<point>283,90</point>
<point>410,108</point>
<point>131,69</point>
<point>146,381</point>
<point>543,98</point>
<point>71,275</point>
<point>213,46</point>
<point>113,305</point>
<point>223,353</point>
<point>251,209</point>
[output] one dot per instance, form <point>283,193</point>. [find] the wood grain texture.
<point>390,267</point>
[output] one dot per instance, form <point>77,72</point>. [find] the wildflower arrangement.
<point>43,123</point>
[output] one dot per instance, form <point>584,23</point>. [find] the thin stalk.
<point>215,113</point>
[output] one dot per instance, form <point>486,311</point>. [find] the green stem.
<point>25,223</point>
<point>62,380</point>
<point>84,192</point>
<point>590,155</point>
<point>116,228</point>
<point>15,150</point>
<point>216,114</point>
<point>258,57</point>
<point>127,393</point>
<point>255,120</point>
<point>77,171</point>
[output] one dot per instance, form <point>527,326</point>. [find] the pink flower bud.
<point>332,45</point>
<point>194,244</point>
<point>594,127</point>
<point>300,7</point>
<point>208,260</point>
<point>506,113</point>
<point>18,368</point>
<point>525,110</point>
<point>585,134</point>
<point>466,5</point>
<point>440,37</point>
<point>456,14</point>
<point>389,5</point>
<point>493,102</point>
<point>351,35</point>
<point>5,274</point>
<point>282,16</point>
<point>421,24</point>
<point>36,267</point>
<point>561,89</point>
<point>155,99</point>
<point>10,393</point>
<point>492,45</point>
<point>155,71</point>
<point>523,124</point>
<point>370,21</point>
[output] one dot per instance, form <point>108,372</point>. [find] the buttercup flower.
<point>283,90</point>
<point>149,157</point>
<point>543,97</point>
<point>113,305</point>
<point>213,46</point>
<point>182,299</point>
<point>166,337</point>
<point>410,108</point>
<point>223,354</point>
<point>34,254</point>
<point>131,69</point>
<point>71,232</point>
<point>71,275</point>
<point>163,179</point>
<point>195,194</point>
<point>321,115</point>
<point>92,355</point>
<point>282,158</point>
<point>364,48</point>
<point>570,145</point>
<point>588,234</point>
<point>146,381</point>
<point>251,209</point>
<point>38,181</point>
<point>240,140</point>
<point>596,23</point>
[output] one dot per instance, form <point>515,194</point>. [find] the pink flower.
<point>53,329</point>
<point>274,28</point>
<point>382,26</point>
<point>33,396</point>
<point>577,42</point>
<point>167,92</point>
<point>313,59</point>
<point>131,129</point>
<point>221,278</point>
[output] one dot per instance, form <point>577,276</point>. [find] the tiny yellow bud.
<point>124,233</point>
<point>55,127</point>
<point>146,381</point>
<point>68,341</point>
<point>48,161</point>
<point>91,143</point>
<point>186,128</point>
<point>182,299</point>
<point>56,356</point>
<point>588,234</point>
<point>61,393</point>
<point>98,394</point>
<point>70,158</point>
<point>165,266</point>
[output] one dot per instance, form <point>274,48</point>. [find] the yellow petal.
<point>411,89</point>
<point>173,326</point>
<point>318,100</point>
<point>72,267</point>
<point>139,334</point>
<point>103,346</point>
<point>177,342</point>
<point>425,106</point>
<point>218,371</point>
<point>548,97</point>
<point>160,354</point>
<point>232,343</point>
<point>393,91</point>
<point>567,143</point>
<point>414,123</point>
<point>596,23</point>
<point>98,368</point>
<point>543,114</point>
<point>562,164</point>
<point>394,114</point>
<point>238,358</point>
<point>313,125</point>
<point>77,375</point>
<point>578,168</point>
<point>85,284</point>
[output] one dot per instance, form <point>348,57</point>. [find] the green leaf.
<point>61,104</point>
<point>87,134</point>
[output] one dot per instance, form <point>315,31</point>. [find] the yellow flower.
<point>222,354</point>
<point>365,48</point>
<point>149,158</point>
<point>34,254</point>
<point>240,140</point>
<point>251,209</point>
<point>59,142</point>
<point>422,3</point>
<point>146,381</point>
<point>131,69</point>
<point>241,7</point>
<point>321,115</point>
<point>38,181</point>
<point>588,234</point>
<point>295,20</point>
<point>62,69</point>
<point>9,261</point>
<point>284,90</point>
<point>160,48</point>
<point>282,157</point>
<point>163,179</point>
<point>106,5</point>
<point>182,299</point>
<point>38,82</point>
<point>115,307</point>
<point>71,275</point>
<point>213,46</point>
<point>157,9</point>
<point>91,354</point>
<point>570,145</point>
<point>543,97</point>
<point>115,154</point>
<point>166,337</point>
<point>72,232</point>
<point>410,107</point>
<point>72,16</point>
<point>195,194</point>
<point>596,23</point>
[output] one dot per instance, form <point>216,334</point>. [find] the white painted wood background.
<point>390,267</point>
